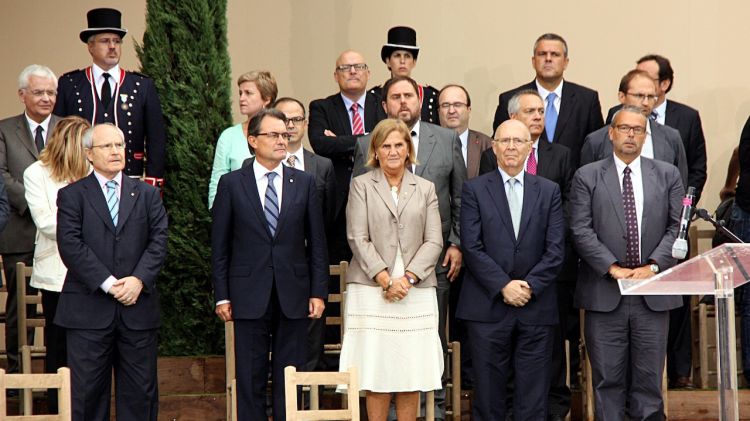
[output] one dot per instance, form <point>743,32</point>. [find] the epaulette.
<point>137,74</point>
<point>72,72</point>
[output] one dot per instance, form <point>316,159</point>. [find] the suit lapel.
<point>543,158</point>
<point>23,132</point>
<point>659,142</point>
<point>650,196</point>
<point>311,164</point>
<point>672,117</point>
<point>426,145</point>
<point>408,188</point>
<point>530,197</point>
<point>496,189</point>
<point>612,184</point>
<point>567,105</point>
<point>129,193</point>
<point>251,190</point>
<point>343,114</point>
<point>372,110</point>
<point>473,155</point>
<point>95,196</point>
<point>383,189</point>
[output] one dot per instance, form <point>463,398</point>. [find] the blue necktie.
<point>653,116</point>
<point>113,203</point>
<point>550,117</point>
<point>271,207</point>
<point>515,205</point>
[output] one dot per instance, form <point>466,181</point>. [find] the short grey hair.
<point>514,105</point>
<point>35,70</point>
<point>626,109</point>
<point>88,135</point>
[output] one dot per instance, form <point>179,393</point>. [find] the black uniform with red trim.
<point>135,109</point>
<point>429,97</point>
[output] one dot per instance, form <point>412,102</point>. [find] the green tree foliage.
<point>185,51</point>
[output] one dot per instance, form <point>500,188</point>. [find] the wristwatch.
<point>411,279</point>
<point>654,268</point>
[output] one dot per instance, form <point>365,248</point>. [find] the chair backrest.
<point>60,381</point>
<point>230,367</point>
<point>2,272</point>
<point>334,320</point>
<point>23,273</point>
<point>293,379</point>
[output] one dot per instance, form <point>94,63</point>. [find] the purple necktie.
<point>632,255</point>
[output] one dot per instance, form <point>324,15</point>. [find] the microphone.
<point>680,247</point>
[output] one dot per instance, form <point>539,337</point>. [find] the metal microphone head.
<point>680,249</point>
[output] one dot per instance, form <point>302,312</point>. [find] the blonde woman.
<point>257,90</point>
<point>60,163</point>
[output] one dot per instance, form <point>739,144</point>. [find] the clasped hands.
<point>516,293</point>
<point>642,272</point>
<point>398,289</point>
<point>127,290</point>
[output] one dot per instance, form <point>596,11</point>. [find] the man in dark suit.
<point>335,124</point>
<point>22,137</point>
<point>551,161</point>
<point>105,93</point>
<point>269,264</point>
<point>688,122</point>
<point>440,161</point>
<point>4,206</point>
<point>574,110</point>
<point>513,234</point>
<point>625,213</point>
<point>662,143</point>
<point>112,237</point>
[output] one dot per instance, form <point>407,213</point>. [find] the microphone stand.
<point>704,215</point>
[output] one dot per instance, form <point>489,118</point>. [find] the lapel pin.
<point>132,194</point>
<point>291,180</point>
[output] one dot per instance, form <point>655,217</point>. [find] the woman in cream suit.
<point>393,228</point>
<point>60,163</point>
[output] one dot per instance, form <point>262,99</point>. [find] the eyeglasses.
<point>359,67</point>
<point>107,41</point>
<point>297,121</point>
<point>507,141</point>
<point>625,129</point>
<point>40,93</point>
<point>641,97</point>
<point>456,105</point>
<point>274,135</point>
<point>109,146</point>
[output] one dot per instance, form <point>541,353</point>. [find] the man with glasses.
<point>105,93</point>
<point>112,237</point>
<point>335,124</point>
<point>22,138</point>
<point>269,264</point>
<point>662,143</point>
<point>513,236</point>
<point>624,217</point>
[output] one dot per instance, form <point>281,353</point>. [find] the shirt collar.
<point>415,129</point>
<point>543,92</point>
<point>661,110</point>
<point>261,171</point>
<point>114,72</point>
<point>33,124</point>
<point>506,177</point>
<point>620,165</point>
<point>103,180</point>
<point>464,138</point>
<point>648,126</point>
<point>348,102</point>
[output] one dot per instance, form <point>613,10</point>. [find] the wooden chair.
<point>60,381</point>
<point>334,320</point>
<point>27,352</point>
<point>453,383</point>
<point>293,379</point>
<point>229,361</point>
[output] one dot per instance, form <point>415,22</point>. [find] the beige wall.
<point>485,45</point>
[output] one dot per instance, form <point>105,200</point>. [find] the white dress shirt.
<point>98,74</point>
<point>648,145</point>
<point>543,93</point>
<point>299,163</point>
<point>262,181</point>
<point>360,110</point>
<point>464,137</point>
<point>518,187</point>
<point>636,177</point>
<point>102,180</point>
<point>33,125</point>
<point>661,112</point>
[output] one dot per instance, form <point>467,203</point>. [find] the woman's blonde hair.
<point>264,81</point>
<point>381,132</point>
<point>64,154</point>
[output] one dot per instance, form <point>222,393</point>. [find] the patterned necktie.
<point>632,255</point>
<point>514,204</point>
<point>550,116</point>
<point>271,207</point>
<point>531,163</point>
<point>113,203</point>
<point>106,95</point>
<point>357,126</point>
<point>291,161</point>
<point>39,139</point>
<point>653,116</point>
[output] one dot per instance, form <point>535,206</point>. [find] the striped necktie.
<point>357,126</point>
<point>271,207</point>
<point>113,203</point>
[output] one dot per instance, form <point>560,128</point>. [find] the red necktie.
<point>357,126</point>
<point>531,163</point>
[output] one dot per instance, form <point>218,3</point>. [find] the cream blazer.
<point>41,195</point>
<point>375,227</point>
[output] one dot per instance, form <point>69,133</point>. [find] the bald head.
<point>511,145</point>
<point>351,74</point>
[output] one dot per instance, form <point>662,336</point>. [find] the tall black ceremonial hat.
<point>103,20</point>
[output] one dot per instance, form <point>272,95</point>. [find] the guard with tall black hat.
<point>106,93</point>
<point>400,55</point>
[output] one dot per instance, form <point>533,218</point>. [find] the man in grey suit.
<point>662,143</point>
<point>624,218</point>
<point>22,137</point>
<point>440,161</point>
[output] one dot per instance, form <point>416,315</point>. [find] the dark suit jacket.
<point>140,117</point>
<point>330,114</point>
<point>325,182</point>
<point>17,152</point>
<point>687,121</point>
<point>477,144</point>
<point>494,256</point>
<point>440,161</point>
<point>92,249</point>
<point>247,262</point>
<point>4,206</point>
<point>580,114</point>
<point>667,147</point>
<point>597,223</point>
<point>553,164</point>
